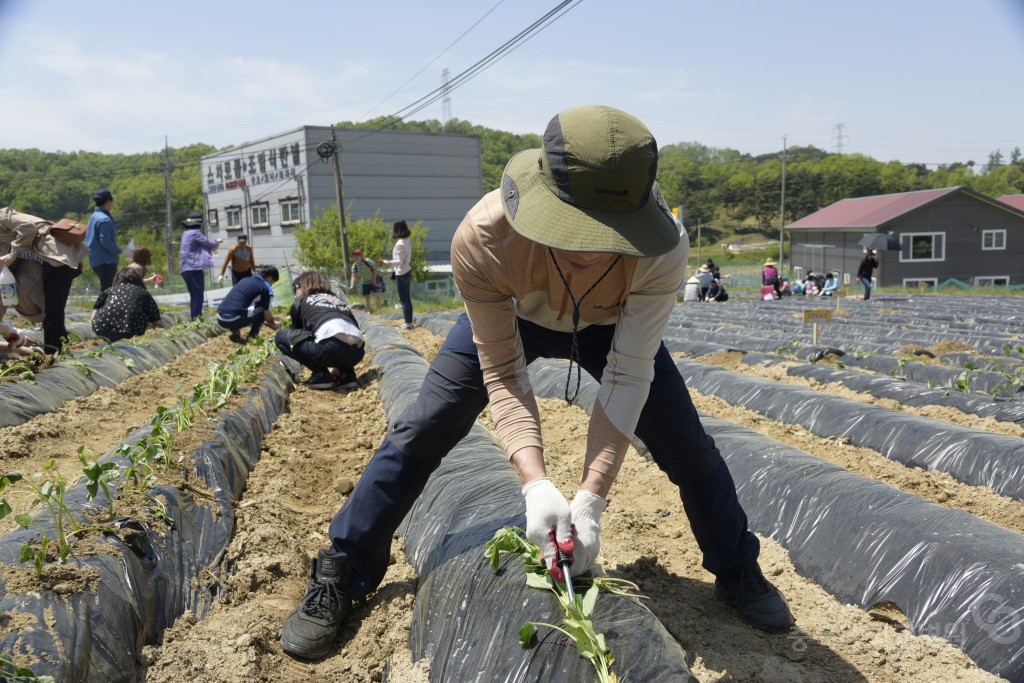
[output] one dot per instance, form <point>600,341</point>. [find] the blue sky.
<point>927,81</point>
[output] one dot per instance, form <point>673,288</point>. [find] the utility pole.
<point>343,237</point>
<point>782,213</point>
<point>698,243</point>
<point>168,232</point>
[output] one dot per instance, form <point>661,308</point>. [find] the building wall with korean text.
<point>269,187</point>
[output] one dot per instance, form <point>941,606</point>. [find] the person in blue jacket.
<point>248,305</point>
<point>101,238</point>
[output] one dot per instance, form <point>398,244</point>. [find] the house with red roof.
<point>1014,200</point>
<point>950,233</point>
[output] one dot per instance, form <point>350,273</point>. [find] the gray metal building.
<point>951,233</point>
<point>268,187</point>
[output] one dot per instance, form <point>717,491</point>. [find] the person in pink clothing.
<point>575,256</point>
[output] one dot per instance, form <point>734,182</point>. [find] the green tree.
<point>318,246</point>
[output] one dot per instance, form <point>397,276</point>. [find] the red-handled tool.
<point>564,562</point>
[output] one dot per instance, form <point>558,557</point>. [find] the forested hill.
<point>717,186</point>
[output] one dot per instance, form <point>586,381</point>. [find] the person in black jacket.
<point>126,309</point>
<point>324,334</point>
<point>866,271</point>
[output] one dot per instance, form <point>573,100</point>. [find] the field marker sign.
<point>816,316</point>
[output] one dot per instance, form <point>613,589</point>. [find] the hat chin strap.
<point>574,351</point>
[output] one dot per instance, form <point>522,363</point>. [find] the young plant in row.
<point>12,673</point>
<point>577,624</point>
<point>50,487</point>
<point>22,372</point>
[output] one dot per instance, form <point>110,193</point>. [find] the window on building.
<point>233,215</point>
<point>260,215</point>
<point>920,283</point>
<point>992,281</point>
<point>211,218</point>
<point>289,211</point>
<point>923,246</point>
<point>993,239</point>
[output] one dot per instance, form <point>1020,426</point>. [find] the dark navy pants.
<point>451,398</point>
<point>195,280</point>
<point>404,283</point>
<point>319,356</point>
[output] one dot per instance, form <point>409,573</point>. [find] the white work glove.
<point>220,278</point>
<point>548,521</point>
<point>16,338</point>
<point>586,522</point>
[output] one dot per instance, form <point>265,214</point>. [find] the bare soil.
<point>315,454</point>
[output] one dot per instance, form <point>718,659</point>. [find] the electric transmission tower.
<point>839,137</point>
<point>446,101</point>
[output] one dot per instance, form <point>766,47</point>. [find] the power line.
<point>437,57</point>
<point>480,66</point>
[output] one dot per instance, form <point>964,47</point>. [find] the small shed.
<point>950,233</point>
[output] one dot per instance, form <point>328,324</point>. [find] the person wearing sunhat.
<point>770,277</point>
<point>575,256</point>
<point>195,258</point>
<point>101,239</point>
<point>706,278</point>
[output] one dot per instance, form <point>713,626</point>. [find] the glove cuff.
<point>589,503</point>
<point>538,482</point>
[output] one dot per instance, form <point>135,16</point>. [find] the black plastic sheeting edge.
<point>21,401</point>
<point>467,617</point>
<point>152,573</point>
<point>972,456</point>
<point>906,392</point>
<point>956,576</point>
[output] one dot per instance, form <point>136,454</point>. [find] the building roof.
<point>870,213</point>
<point>1014,200</point>
<point>875,213</point>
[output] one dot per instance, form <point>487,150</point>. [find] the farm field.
<point>947,356</point>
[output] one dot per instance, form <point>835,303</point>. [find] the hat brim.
<point>538,214</point>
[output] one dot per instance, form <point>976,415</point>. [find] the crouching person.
<point>247,305</point>
<point>125,310</point>
<point>325,336</point>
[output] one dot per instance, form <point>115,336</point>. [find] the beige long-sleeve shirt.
<point>502,275</point>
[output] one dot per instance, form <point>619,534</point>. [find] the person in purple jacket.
<point>196,256</point>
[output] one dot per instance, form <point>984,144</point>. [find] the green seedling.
<point>158,509</point>
<point>78,365</point>
<point>787,349</point>
<point>49,487</point>
<point>577,624</point>
<point>100,476</point>
<point>963,380</point>
<point>65,345</point>
<point>5,481</point>
<point>20,371</point>
<point>1011,386</point>
<point>12,673</point>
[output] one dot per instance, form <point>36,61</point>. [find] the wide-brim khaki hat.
<point>591,187</point>
<point>769,262</point>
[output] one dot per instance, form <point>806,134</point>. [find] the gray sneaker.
<point>309,631</point>
<point>759,602</point>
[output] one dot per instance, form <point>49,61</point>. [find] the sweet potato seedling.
<point>12,673</point>
<point>577,624</point>
<point>49,486</point>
